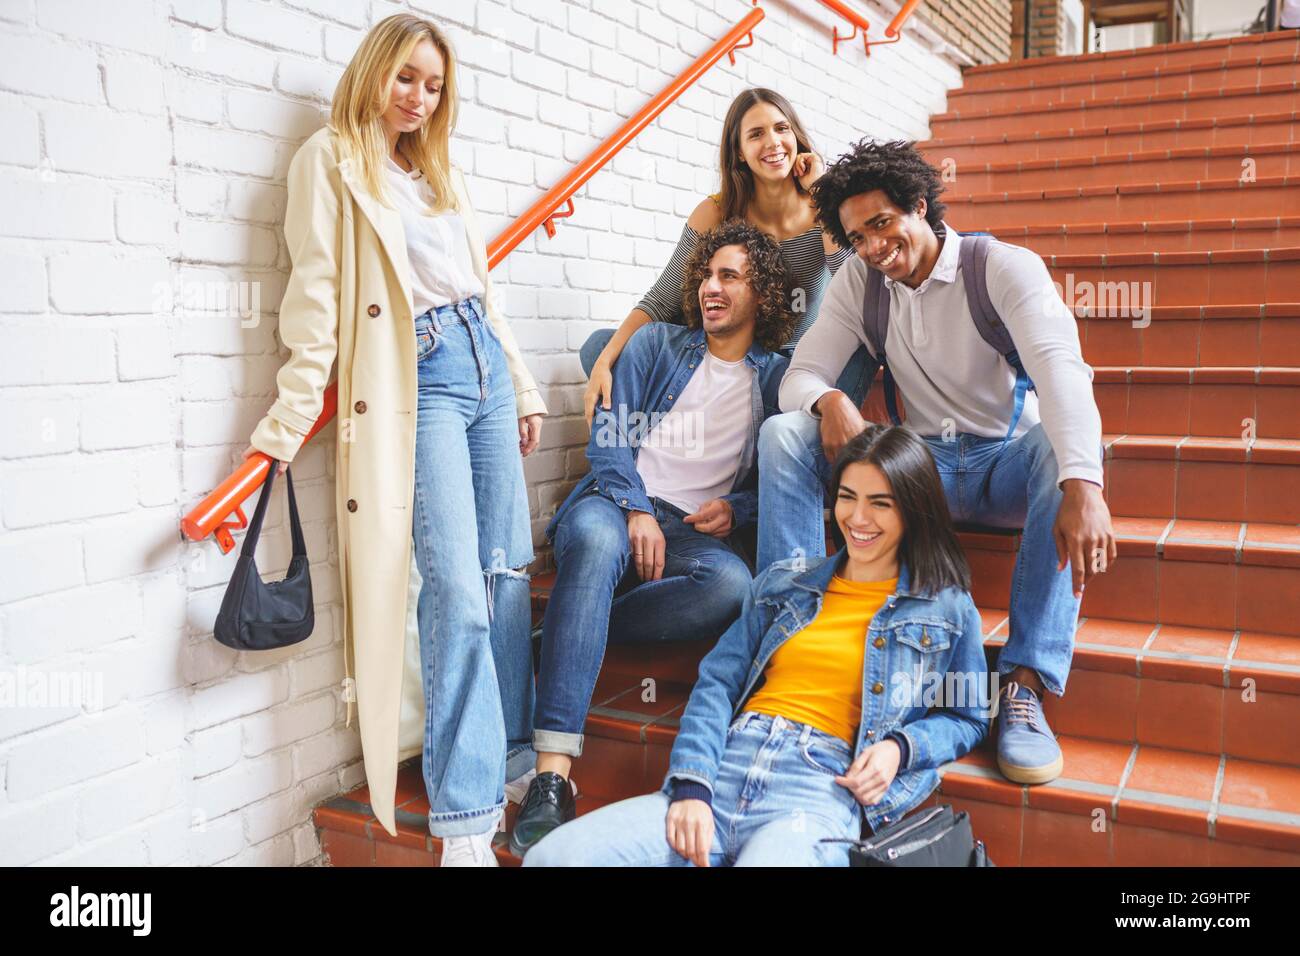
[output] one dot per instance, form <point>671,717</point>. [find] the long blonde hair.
<point>361,98</point>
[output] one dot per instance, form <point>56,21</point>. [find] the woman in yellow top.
<point>436,409</point>
<point>830,702</point>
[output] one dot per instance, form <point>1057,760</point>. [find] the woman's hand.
<point>690,830</point>
<point>600,386</point>
<point>250,451</point>
<point>871,772</point>
<point>530,434</point>
<point>808,168</point>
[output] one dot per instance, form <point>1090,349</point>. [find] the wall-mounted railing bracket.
<point>549,224</point>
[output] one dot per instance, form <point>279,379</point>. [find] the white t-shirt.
<point>692,454</point>
<point>441,269</point>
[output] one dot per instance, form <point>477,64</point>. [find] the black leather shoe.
<point>547,804</point>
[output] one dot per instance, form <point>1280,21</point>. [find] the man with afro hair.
<point>999,389</point>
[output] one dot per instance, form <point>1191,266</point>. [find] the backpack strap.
<point>973,256</point>
<point>875,323</point>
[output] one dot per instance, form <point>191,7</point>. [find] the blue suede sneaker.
<point>1027,748</point>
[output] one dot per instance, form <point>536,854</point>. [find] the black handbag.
<point>937,837</point>
<point>259,616</point>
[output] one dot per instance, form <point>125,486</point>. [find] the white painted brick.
<point>146,540</point>
<point>216,748</point>
<point>341,43</point>
<point>67,491</point>
<point>46,68</point>
<point>314,81</point>
<point>24,281</point>
<point>228,152</point>
<point>106,143</point>
<point>167,838</point>
<point>32,832</point>
<point>271,114</point>
<point>244,783</point>
<point>94,283</point>
<point>289,724</point>
<point>147,219</point>
<point>201,193</point>
<point>145,351</point>
<point>257,202</point>
<point>316,672</point>
<point>44,628</point>
<point>37,425</point>
<point>213,840</point>
<point>133,84</point>
<point>332,749</point>
<point>134,24</point>
<point>87,747</point>
<point>21,144</point>
<point>276,852</point>
<point>66,208</point>
<point>165,722</point>
<point>264,23</point>
<point>351,12</point>
<point>128,416</point>
<point>227,243</point>
<point>563,48</point>
<point>127,796</point>
<point>203,13</point>
<point>238,696</point>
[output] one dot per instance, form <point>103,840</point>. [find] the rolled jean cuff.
<point>520,760</point>
<point>557,742</point>
<point>464,822</point>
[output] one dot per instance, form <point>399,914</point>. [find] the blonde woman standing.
<point>436,409</point>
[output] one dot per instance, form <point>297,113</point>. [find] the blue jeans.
<point>775,797</point>
<point>473,544</point>
<point>853,382</point>
<point>598,597</point>
<point>1011,487</point>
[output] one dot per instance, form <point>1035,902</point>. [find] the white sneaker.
<point>518,787</point>
<point>474,849</point>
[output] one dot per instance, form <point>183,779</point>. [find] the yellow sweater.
<point>815,677</point>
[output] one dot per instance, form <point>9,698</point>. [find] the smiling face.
<point>767,142</point>
<point>416,90</point>
<point>898,243</point>
<point>727,300</point>
<point>868,517</point>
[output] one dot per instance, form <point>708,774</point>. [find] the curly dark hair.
<point>768,278</point>
<point>897,168</point>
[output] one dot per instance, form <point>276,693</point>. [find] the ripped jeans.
<point>473,544</point>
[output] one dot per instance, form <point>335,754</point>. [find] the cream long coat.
<point>349,297</point>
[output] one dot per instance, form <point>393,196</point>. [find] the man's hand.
<point>841,421</point>
<point>871,772</point>
<point>648,545</point>
<point>690,830</point>
<point>530,434</point>
<point>715,517</point>
<point>1083,533</point>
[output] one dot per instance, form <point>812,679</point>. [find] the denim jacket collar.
<point>756,357</point>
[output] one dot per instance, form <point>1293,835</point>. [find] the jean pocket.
<point>827,758</point>
<point>426,340</point>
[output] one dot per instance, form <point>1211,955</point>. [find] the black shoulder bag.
<point>936,837</point>
<point>260,616</point>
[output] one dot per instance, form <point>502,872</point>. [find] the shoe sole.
<point>1043,774</point>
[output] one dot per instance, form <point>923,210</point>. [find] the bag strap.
<point>973,254</point>
<point>255,526</point>
<point>875,324</point>
<point>295,524</point>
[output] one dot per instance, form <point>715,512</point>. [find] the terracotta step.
<point>1095,66</point>
<point>1085,84</point>
<point>1160,165</point>
<point>1203,401</point>
<point>1159,807</point>
<point>1125,285</point>
<point>1177,201</point>
<point>1015,145</point>
<point>1197,335</point>
<point>1119,110</point>
<point>1212,479</point>
<point>1188,235</point>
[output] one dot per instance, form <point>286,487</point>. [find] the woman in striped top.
<point>767,166</point>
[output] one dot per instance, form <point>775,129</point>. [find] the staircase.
<point>1173,166</point>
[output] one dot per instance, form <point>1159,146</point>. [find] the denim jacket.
<point>649,376</point>
<point>922,650</point>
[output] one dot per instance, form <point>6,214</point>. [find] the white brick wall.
<point>141,175</point>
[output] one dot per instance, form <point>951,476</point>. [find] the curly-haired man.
<point>646,545</point>
<point>986,357</point>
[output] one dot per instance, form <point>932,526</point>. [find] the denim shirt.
<point>922,639</point>
<point>649,377</point>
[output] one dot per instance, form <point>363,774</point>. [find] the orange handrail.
<point>894,30</point>
<point>848,13</point>
<point>212,514</point>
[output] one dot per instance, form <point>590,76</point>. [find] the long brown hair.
<point>737,179</point>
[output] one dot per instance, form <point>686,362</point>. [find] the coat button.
<point>670,396</point>
<point>360,408</point>
<point>373,311</point>
<point>877,688</point>
<point>352,504</point>
<point>871,733</point>
<point>878,642</point>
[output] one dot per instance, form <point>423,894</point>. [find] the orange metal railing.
<point>858,21</point>
<point>894,30</point>
<point>213,515</point>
